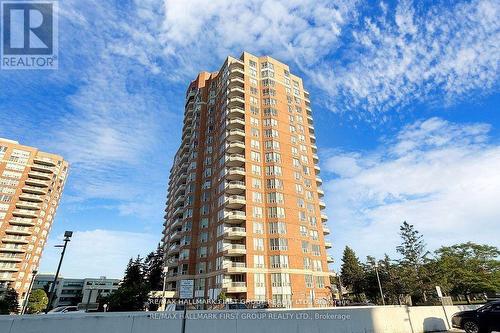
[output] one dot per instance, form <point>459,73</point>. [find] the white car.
<point>65,309</point>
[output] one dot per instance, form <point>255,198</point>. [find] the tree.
<point>133,292</point>
<point>414,254</point>
<point>37,301</point>
<point>9,301</point>
<point>468,268</point>
<point>351,272</point>
<point>154,269</point>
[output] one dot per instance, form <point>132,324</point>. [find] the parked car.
<point>482,320</point>
<point>65,309</point>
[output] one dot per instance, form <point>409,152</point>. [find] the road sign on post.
<point>186,289</point>
<point>439,292</point>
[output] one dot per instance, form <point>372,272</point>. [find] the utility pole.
<point>379,284</point>
<point>67,236</point>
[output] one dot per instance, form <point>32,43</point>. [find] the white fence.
<point>388,319</point>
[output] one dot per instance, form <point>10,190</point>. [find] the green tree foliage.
<point>132,295</point>
<point>37,301</point>
<point>460,270</point>
<point>351,272</point>
<point>154,269</point>
<point>9,303</point>
<point>468,268</point>
<point>413,252</point>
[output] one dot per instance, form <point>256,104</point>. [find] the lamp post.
<point>379,284</point>
<point>163,295</point>
<point>67,236</point>
<point>25,303</point>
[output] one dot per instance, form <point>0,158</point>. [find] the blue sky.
<point>405,98</point>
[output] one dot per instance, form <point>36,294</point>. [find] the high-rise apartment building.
<point>31,184</point>
<point>243,213</point>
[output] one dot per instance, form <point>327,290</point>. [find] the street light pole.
<point>379,284</point>
<point>67,236</point>
<point>25,304</point>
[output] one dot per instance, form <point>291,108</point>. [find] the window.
<point>274,183</point>
<point>280,280</point>
<point>257,197</point>
<point>275,197</point>
<point>257,212</point>
<point>279,261</point>
<point>258,261</point>
<point>309,281</point>
<point>277,228</point>
<point>278,244</point>
<point>258,228</point>
<point>258,244</point>
<point>276,212</point>
<point>305,246</point>
<point>273,157</point>
<point>273,170</point>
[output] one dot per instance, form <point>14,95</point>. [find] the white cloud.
<point>409,56</point>
<point>97,253</point>
<point>440,176</point>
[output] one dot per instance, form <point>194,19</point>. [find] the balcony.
<point>235,201</point>
<point>236,112</point>
<point>236,147</point>
<point>8,269</point>
<point>174,249</point>
<point>326,230</point>
<point>236,92</point>
<point>175,235</point>
<point>235,160</point>
<point>235,187</point>
<point>236,124</point>
<point>16,230</point>
<point>234,267</point>
<point>178,212</point>
<point>179,200</point>
<point>317,169</point>
<point>36,182</point>
<point>15,239</point>
<point>235,173</point>
<point>5,248</point>
<point>237,102</point>
<point>43,168</point>
<point>25,213</point>
<point>236,82</point>
<point>236,134</point>
<point>22,221</point>
<point>28,205</point>
<point>11,258</point>
<point>234,287</point>
<point>312,137</point>
<point>322,205</point>
<point>44,161</point>
<point>329,259</point>
<point>39,175</point>
<point>235,216</point>
<point>176,223</point>
<point>328,244</point>
<point>234,233</point>
<point>35,190</point>
<point>315,158</point>
<point>172,262</point>
<point>324,218</point>
<point>234,250</point>
<point>319,181</point>
<point>321,193</point>
<point>235,71</point>
<point>30,197</point>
